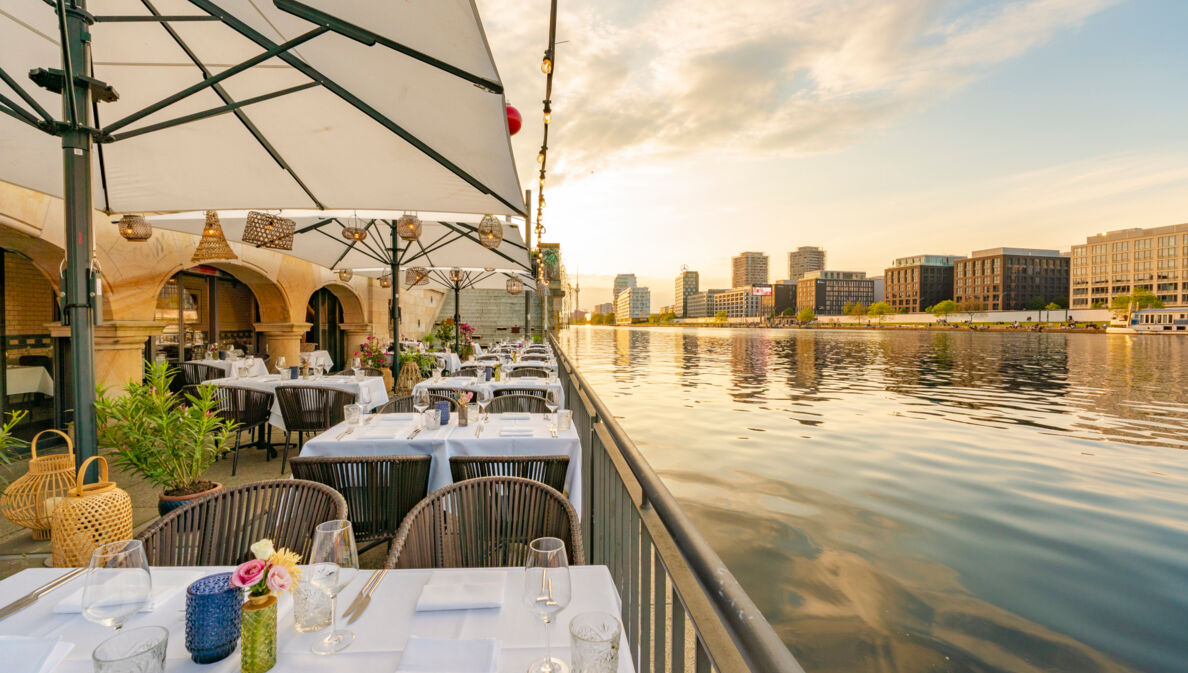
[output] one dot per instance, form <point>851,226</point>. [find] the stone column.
<point>354,334</point>
<point>283,339</point>
<point>119,350</point>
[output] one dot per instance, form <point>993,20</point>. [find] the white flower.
<point>263,549</point>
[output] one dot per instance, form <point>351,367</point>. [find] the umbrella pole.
<point>395,307</point>
<point>76,283</point>
<point>457,323</point>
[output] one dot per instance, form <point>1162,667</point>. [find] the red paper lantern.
<point>514,120</point>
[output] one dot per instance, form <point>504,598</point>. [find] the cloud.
<point>676,78</point>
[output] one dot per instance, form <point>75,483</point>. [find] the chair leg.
<point>285,455</point>
<point>235,460</point>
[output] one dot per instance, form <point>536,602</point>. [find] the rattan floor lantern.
<point>90,515</point>
<point>24,502</point>
<point>213,244</point>
<point>490,232</point>
<point>269,231</point>
<point>135,228</point>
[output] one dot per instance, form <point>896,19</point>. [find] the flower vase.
<point>463,415</point>
<point>258,633</point>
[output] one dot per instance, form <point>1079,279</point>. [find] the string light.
<point>546,66</point>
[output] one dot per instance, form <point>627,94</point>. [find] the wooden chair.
<point>548,470</point>
<point>515,401</point>
<point>528,372</point>
<point>219,529</point>
<point>484,523</point>
<point>379,490</point>
<point>309,410</point>
<point>248,407</point>
<point>398,405</point>
<point>194,373</point>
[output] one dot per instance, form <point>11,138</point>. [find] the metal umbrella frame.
<point>326,52</point>
<point>458,279</point>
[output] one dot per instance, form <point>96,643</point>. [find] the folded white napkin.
<point>462,591</point>
<point>445,655</point>
<point>33,655</point>
<point>514,417</point>
<point>161,594</point>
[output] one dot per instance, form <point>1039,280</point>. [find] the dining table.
<point>447,361</point>
<point>26,379</point>
<point>487,389</point>
<point>371,392</point>
<point>319,359</point>
<point>256,366</point>
<point>508,434</point>
<point>510,635</point>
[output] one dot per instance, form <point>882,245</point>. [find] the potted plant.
<point>169,441</point>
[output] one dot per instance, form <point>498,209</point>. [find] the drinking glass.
<point>594,639</point>
<point>437,373</point>
<point>357,363</point>
<point>280,365</point>
<point>421,400</point>
<point>564,419</point>
<point>334,562</point>
<point>311,606</point>
<point>118,583</point>
<point>546,592</point>
<point>139,650</point>
<point>359,374</point>
<point>483,404</point>
<point>352,414</point>
<point>553,402</point>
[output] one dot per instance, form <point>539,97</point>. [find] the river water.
<point>926,501</point>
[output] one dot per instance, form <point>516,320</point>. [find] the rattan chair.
<point>309,410</point>
<point>472,370</point>
<point>398,405</point>
<point>250,409</point>
<point>518,401</point>
<point>367,371</point>
<point>548,470</point>
<point>434,398</point>
<point>379,490</point>
<point>528,372</point>
<point>484,523</point>
<point>194,373</point>
<point>219,529</point>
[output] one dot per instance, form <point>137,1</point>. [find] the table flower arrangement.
<point>373,354</point>
<point>272,571</point>
<point>463,416</point>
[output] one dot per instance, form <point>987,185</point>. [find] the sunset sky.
<point>685,131</point>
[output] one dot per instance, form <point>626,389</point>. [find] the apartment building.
<point>1006,279</point>
<point>687,283</point>
<point>804,259</point>
<point>914,283</point>
<point>827,292</point>
<point>1119,262</point>
<point>748,268</point>
<point>633,304</point>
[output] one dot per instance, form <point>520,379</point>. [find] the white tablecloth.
<point>380,634</point>
<point>386,436</point>
<point>257,366</point>
<point>318,359</point>
<point>371,392</point>
<point>486,389</point>
<point>25,380</point>
<point>448,361</point>
<point>551,365</point>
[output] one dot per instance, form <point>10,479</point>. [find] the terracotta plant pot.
<point>168,503</point>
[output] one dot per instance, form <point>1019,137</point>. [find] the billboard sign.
<point>761,291</point>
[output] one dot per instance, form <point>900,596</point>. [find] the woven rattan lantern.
<point>345,275</point>
<point>385,280</point>
<point>490,232</point>
<point>457,275</point>
<point>354,233</point>
<point>269,231</point>
<point>416,276</point>
<point>135,228</point>
<point>514,286</point>
<point>408,227</point>
<point>25,500</point>
<point>90,515</point>
<point>213,245</point>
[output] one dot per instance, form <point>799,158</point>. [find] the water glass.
<point>212,618</point>
<point>437,373</point>
<point>311,606</point>
<point>359,374</point>
<point>334,563</point>
<point>352,413</point>
<point>443,412</point>
<point>564,419</point>
<point>133,651</point>
<point>432,418</point>
<point>118,583</point>
<point>594,638</point>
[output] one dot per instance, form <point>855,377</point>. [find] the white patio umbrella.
<point>245,103</point>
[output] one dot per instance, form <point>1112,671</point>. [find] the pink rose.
<point>249,573</point>
<point>279,579</point>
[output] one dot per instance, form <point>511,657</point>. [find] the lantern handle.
<point>103,482</point>
<point>33,443</point>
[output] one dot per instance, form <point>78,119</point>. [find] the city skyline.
<point>981,124</point>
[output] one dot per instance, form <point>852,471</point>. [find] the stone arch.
<point>270,296</point>
<point>352,304</point>
<point>47,258</point>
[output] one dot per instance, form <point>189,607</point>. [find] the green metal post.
<point>76,285</point>
<point>395,270</point>
<point>457,322</point>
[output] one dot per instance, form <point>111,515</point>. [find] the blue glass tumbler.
<point>212,618</point>
<point>444,408</point>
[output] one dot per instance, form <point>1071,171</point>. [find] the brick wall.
<point>29,304</point>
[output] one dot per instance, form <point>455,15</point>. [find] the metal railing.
<point>683,610</point>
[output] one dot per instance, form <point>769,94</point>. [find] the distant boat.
<point>1151,321</point>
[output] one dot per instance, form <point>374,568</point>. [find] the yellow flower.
<point>287,560</point>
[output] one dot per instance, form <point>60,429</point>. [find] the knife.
<point>31,598</point>
<point>415,432</point>
<point>360,604</point>
<point>359,599</point>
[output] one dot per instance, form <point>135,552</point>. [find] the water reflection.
<point>900,501</point>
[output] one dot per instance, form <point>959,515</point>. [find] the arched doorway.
<point>29,383</point>
<point>204,305</point>
<point>324,313</point>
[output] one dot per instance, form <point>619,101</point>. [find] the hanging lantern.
<point>408,227</point>
<point>457,275</point>
<point>490,232</point>
<point>416,276</point>
<point>514,120</point>
<point>386,280</point>
<point>345,275</point>
<point>269,231</point>
<point>488,269</point>
<point>514,286</point>
<point>135,228</point>
<point>354,233</point>
<point>213,245</point>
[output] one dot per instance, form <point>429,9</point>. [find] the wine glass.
<point>421,400</point>
<point>483,404</point>
<point>118,583</point>
<point>334,562</point>
<point>546,592</point>
<point>553,402</point>
<point>280,365</point>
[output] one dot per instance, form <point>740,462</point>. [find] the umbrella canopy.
<point>267,104</point>
<point>318,239</point>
